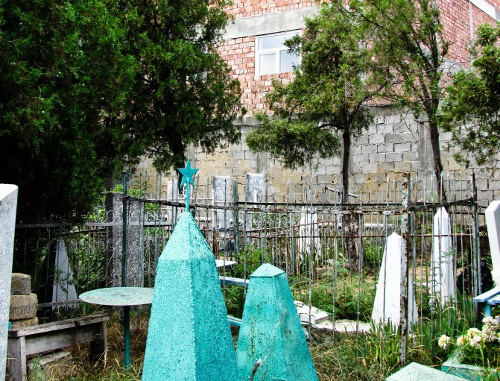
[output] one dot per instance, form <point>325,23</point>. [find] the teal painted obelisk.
<point>271,331</point>
<point>189,336</point>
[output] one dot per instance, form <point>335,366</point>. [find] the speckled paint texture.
<point>271,331</point>
<point>8,206</point>
<point>189,336</point>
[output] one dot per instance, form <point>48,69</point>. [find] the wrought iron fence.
<point>332,251</point>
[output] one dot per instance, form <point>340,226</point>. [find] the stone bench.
<point>30,341</point>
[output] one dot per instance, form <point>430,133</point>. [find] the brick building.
<point>395,143</point>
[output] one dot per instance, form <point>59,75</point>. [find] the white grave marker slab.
<point>308,231</point>
<point>443,279</point>
<point>255,187</point>
<point>221,197</point>
<point>386,308</point>
<point>492,214</point>
<point>8,206</point>
<point>63,289</point>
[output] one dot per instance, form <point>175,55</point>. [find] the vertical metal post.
<point>404,310</point>
<point>126,335</point>
<point>476,257</point>
<point>125,228</point>
<point>236,221</point>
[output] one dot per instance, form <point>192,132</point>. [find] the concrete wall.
<point>395,143</point>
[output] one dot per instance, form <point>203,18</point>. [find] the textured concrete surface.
<point>271,331</point>
<point>20,284</point>
<point>189,336</point>
<point>8,206</point>
<point>23,306</point>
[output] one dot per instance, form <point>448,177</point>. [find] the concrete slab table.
<point>125,297</point>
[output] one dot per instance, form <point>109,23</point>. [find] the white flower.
<point>461,341</point>
<point>471,332</point>
<point>444,341</point>
<point>475,340</point>
<point>490,323</point>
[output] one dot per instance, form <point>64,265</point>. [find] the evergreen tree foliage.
<point>323,109</point>
<point>88,87</point>
<point>471,110</point>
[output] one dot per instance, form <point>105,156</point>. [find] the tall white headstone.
<point>8,205</point>
<point>492,214</point>
<point>386,308</point>
<point>222,198</point>
<point>255,187</point>
<point>443,279</point>
<point>308,231</point>
<point>63,289</point>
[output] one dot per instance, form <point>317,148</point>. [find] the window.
<point>272,54</point>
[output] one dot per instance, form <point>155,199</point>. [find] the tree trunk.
<point>436,152</point>
<point>350,221</point>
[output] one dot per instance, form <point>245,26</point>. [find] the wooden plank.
<point>49,341</point>
<point>485,296</point>
<point>235,281</point>
<point>58,325</point>
<point>16,359</point>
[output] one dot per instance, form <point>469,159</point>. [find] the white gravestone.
<point>386,308</point>
<point>8,205</point>
<point>255,187</point>
<point>222,198</point>
<point>443,279</point>
<point>308,231</point>
<point>492,214</point>
<point>63,289</point>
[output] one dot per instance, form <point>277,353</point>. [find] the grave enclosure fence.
<point>332,252</point>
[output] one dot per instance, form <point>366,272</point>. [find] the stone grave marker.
<point>255,187</point>
<point>443,278</point>
<point>188,336</point>
<point>308,231</point>
<point>63,289</point>
<point>386,307</point>
<point>492,214</point>
<point>271,343</point>
<point>8,206</point>
<point>221,197</point>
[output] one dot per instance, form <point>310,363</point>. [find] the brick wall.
<point>249,8</point>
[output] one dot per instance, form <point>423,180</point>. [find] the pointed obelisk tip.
<point>266,270</point>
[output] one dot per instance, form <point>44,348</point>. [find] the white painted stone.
<point>221,197</point>
<point>304,311</point>
<point>386,308</point>
<point>492,214</point>
<point>8,206</point>
<point>255,187</point>
<point>443,279</point>
<point>308,231</point>
<point>63,289</point>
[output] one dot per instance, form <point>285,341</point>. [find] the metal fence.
<point>332,251</point>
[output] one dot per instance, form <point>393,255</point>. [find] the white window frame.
<point>276,51</point>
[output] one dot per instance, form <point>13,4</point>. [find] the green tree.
<point>89,87</point>
<point>323,109</point>
<point>61,74</point>
<point>408,43</point>
<point>182,93</point>
<point>472,106</point>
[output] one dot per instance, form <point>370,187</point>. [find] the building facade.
<point>395,143</point>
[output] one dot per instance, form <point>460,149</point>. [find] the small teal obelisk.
<point>271,333</point>
<point>187,178</point>
<point>189,338</point>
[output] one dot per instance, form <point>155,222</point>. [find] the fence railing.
<point>332,251</point>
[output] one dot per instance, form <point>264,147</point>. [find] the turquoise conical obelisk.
<point>189,337</point>
<point>271,332</point>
